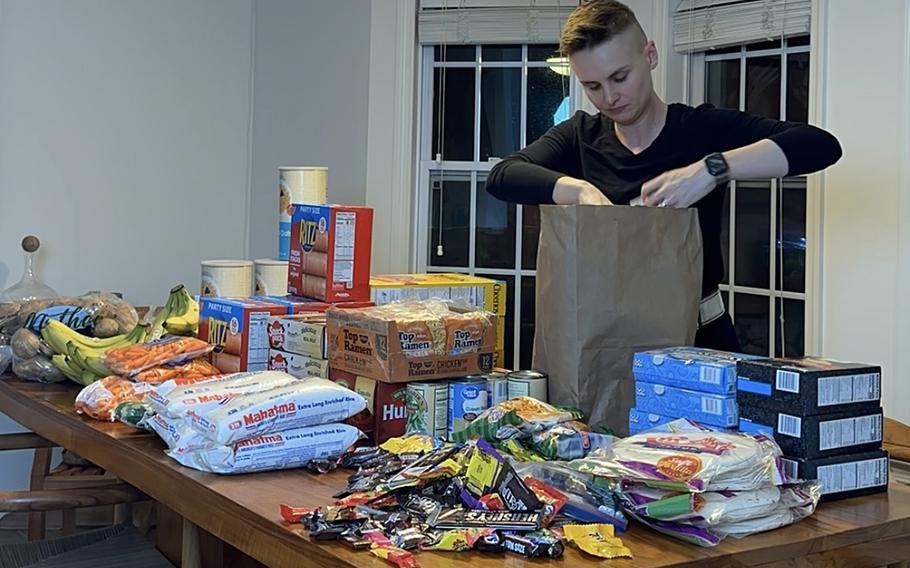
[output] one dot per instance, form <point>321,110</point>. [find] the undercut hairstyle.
<point>594,22</point>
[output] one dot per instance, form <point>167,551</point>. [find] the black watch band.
<point>718,167</point>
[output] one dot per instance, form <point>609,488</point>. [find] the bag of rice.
<point>689,461</point>
<point>177,401</point>
<point>179,436</point>
<point>283,450</point>
<point>306,402</point>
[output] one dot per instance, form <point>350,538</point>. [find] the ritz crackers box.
<point>330,252</point>
<point>240,328</point>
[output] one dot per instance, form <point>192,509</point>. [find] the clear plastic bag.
<point>6,357</point>
<point>38,369</point>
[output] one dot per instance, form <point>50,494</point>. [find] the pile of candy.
<point>415,493</point>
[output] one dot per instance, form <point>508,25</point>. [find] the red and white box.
<point>330,252</point>
<point>385,414</point>
<point>240,327</point>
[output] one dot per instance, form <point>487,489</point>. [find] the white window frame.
<point>427,164</point>
<point>695,79</point>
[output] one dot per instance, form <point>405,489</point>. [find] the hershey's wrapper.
<point>497,520</point>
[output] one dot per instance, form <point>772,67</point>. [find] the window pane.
<point>450,208</point>
<point>495,239</point>
<point>758,46</point>
<point>453,92</point>
<point>724,50</point>
<point>725,237</point>
<point>530,236</point>
<point>798,87</point>
<point>500,53</point>
<point>542,52</point>
<point>752,320</point>
<point>798,40</point>
<point>753,234</point>
<point>548,101</point>
<point>455,52</point>
<point>722,83</point>
<point>794,327</point>
<point>527,320</point>
<point>791,234</point>
<point>509,319</point>
<point>500,112</point>
<point>763,86</point>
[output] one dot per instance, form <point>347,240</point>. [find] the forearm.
<point>762,159</point>
<point>522,182</point>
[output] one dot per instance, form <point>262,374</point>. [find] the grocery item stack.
<point>254,421</point>
<point>381,351</point>
<point>825,415</point>
<point>685,382</point>
<point>700,485</point>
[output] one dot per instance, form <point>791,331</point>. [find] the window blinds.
<point>700,25</point>
<point>492,21</point>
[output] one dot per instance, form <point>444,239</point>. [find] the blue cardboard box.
<point>707,408</point>
<point>690,368</point>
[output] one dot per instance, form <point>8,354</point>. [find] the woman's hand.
<point>679,188</point>
<point>573,191</point>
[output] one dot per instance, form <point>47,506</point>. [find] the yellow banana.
<point>57,334</point>
<point>187,321</point>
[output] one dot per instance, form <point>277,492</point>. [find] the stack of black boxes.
<point>825,415</point>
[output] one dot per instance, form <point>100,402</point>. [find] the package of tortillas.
<point>282,450</point>
<point>690,461</point>
<point>795,502</point>
<point>308,402</point>
<point>178,400</point>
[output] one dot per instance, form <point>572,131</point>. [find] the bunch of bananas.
<point>79,357</point>
<point>179,316</point>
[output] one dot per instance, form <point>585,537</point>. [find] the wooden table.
<point>243,510</point>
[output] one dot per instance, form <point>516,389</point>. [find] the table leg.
<point>190,557</point>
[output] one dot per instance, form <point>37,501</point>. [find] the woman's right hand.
<point>573,191</point>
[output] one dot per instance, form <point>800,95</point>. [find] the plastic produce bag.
<point>101,398</point>
<point>6,358</point>
<point>133,359</point>
<point>38,369</point>
<point>196,369</point>
<point>689,461</point>
<point>283,450</point>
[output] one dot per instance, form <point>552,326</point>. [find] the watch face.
<point>717,165</point>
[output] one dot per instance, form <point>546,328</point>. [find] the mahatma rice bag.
<point>694,461</point>
<point>177,400</point>
<point>306,402</point>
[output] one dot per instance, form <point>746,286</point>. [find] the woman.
<point>638,147</point>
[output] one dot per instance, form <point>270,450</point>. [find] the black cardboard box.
<point>847,476</point>
<point>816,436</point>
<point>809,386</point>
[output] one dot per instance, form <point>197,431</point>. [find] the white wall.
<point>310,103</point>
<point>866,200</point>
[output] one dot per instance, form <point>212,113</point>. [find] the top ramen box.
<point>411,341</point>
<point>240,327</point>
<point>299,305</point>
<point>808,386</point>
<point>330,252</point>
<point>484,293</point>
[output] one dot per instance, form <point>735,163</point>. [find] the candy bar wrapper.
<point>458,540</point>
<point>414,444</point>
<point>596,540</point>
<point>537,544</point>
<point>294,515</point>
<point>553,500</point>
<point>396,556</point>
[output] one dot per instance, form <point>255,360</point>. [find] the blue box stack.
<point>685,382</point>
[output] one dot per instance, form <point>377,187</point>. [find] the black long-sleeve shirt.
<point>586,147</point>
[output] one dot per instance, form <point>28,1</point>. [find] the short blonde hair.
<point>594,22</point>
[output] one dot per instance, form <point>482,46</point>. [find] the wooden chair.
<point>57,491</point>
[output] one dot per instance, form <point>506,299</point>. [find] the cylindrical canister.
<point>497,387</point>
<point>271,277</point>
<point>227,278</point>
<point>467,399</point>
<point>528,383</point>
<point>428,408</point>
<point>297,184</point>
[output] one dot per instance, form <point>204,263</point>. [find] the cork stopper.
<point>30,243</point>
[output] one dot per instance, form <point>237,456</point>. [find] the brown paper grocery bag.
<point>612,281</point>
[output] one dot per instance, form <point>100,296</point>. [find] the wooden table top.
<point>243,510</point>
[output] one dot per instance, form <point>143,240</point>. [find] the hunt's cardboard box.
<point>303,334</point>
<point>330,252</point>
<point>240,327</point>
<point>298,304</point>
<point>385,414</point>
<point>483,293</point>
<point>298,365</point>
<point>371,343</point>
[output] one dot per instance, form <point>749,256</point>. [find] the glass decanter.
<point>30,287</point>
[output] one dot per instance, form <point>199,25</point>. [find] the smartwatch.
<point>718,167</point>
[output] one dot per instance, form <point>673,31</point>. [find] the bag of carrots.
<point>133,359</point>
<point>101,398</point>
<point>195,369</point>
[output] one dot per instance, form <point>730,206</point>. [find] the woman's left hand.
<point>679,188</point>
